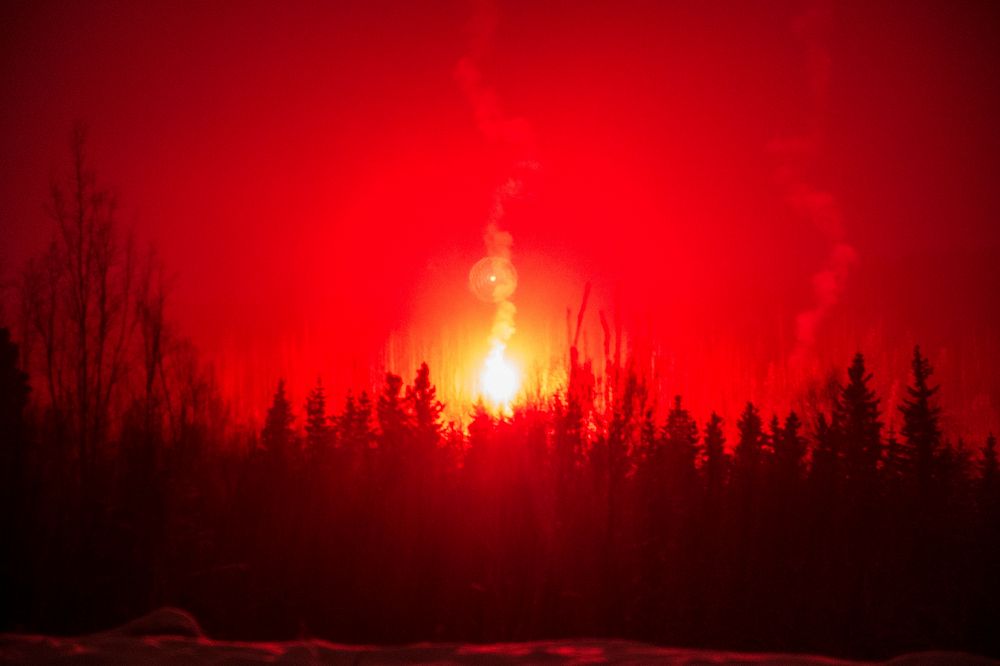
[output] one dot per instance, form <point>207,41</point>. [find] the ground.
<point>171,636</point>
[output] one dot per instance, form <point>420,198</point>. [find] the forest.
<point>128,484</point>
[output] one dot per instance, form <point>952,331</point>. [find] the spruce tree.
<point>856,417</point>
<point>825,466</point>
<point>355,424</point>
<point>355,431</point>
<point>346,423</point>
<point>648,437</point>
<point>681,438</point>
<point>422,399</point>
<point>393,420</point>
<point>318,430</point>
<point>896,463</point>
<point>278,437</point>
<point>989,480</point>
<point>715,462</point>
<point>750,446</point>
<point>789,450</point>
<point>480,442</point>
<point>988,465</point>
<point>921,431</point>
<point>954,464</point>
<point>771,438</point>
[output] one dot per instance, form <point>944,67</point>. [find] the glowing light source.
<point>500,380</point>
<point>493,279</point>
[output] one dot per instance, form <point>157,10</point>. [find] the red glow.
<point>319,184</point>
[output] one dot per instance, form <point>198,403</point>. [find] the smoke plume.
<point>798,156</point>
<point>514,135</point>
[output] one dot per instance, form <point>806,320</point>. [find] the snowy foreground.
<point>170,636</point>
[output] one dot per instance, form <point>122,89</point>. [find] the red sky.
<point>316,181</point>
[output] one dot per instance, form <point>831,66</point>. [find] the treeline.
<point>126,486</point>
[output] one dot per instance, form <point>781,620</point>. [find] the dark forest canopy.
<point>379,523</point>
<point>127,486</point>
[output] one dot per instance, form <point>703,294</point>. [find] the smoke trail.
<point>807,198</point>
<point>512,133</point>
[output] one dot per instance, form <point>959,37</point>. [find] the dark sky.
<point>316,181</point>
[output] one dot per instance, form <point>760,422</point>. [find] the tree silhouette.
<point>319,434</point>
<point>681,439</point>
<point>355,425</point>
<point>789,452</point>
<point>896,464</point>
<point>856,417</point>
<point>825,469</point>
<point>578,514</point>
<point>422,398</point>
<point>550,520</point>
<point>715,461</point>
<point>921,431</point>
<point>278,436</point>
<point>14,392</point>
<point>80,301</point>
<point>749,450</point>
<point>989,482</point>
<point>393,420</point>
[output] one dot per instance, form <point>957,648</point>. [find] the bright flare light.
<point>500,380</point>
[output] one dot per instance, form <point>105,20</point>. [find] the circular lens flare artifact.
<point>493,279</point>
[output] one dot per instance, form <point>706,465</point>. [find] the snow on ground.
<point>170,636</point>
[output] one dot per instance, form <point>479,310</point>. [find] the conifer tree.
<point>355,431</point>
<point>953,464</point>
<point>628,419</point>
<point>715,462</point>
<point>356,421</point>
<point>365,412</point>
<point>346,423</point>
<point>771,438</point>
<point>422,398</point>
<point>482,424</point>
<point>989,479</point>
<point>988,465</point>
<point>826,456</point>
<point>856,417</point>
<point>921,431</point>
<point>896,464</point>
<point>318,430</point>
<point>681,438</point>
<point>481,430</point>
<point>278,437</point>
<point>789,450</point>
<point>750,446</point>
<point>647,436</point>
<point>393,420</point>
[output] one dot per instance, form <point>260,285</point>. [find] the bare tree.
<point>40,298</point>
<point>79,302</point>
<point>151,300</point>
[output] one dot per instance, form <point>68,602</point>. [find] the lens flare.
<point>500,380</point>
<point>493,279</point>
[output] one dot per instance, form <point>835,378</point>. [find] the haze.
<point>316,181</point>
